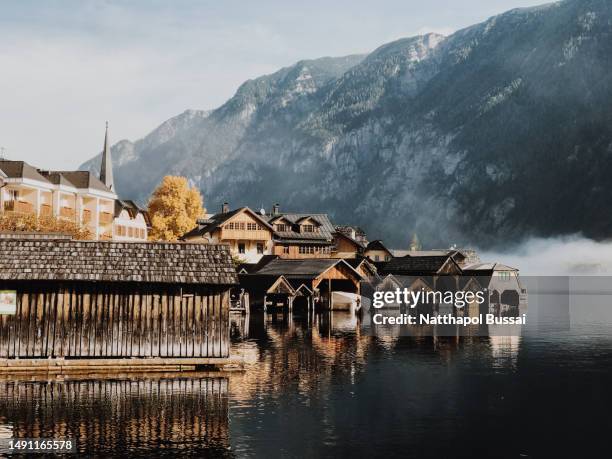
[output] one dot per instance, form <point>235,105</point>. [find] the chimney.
<point>225,208</point>
<point>275,209</point>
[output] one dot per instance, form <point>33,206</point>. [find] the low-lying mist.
<point>563,256</point>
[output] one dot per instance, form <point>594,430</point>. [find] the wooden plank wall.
<point>135,415</point>
<point>97,320</point>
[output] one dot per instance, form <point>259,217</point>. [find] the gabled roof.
<point>342,235</point>
<point>308,268</point>
<point>308,217</point>
<point>132,209</point>
<point>56,178</point>
<point>276,218</point>
<point>84,180</point>
<point>88,261</point>
<point>378,245</point>
<point>245,268</point>
<point>302,288</point>
<point>356,263</point>
<point>262,284</point>
<point>488,267</point>
<point>21,169</point>
<point>417,265</point>
<point>215,221</point>
<point>326,229</point>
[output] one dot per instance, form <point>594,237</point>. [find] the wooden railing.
<point>105,218</point>
<point>257,235</point>
<point>20,207</point>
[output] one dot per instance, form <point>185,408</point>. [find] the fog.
<point>563,256</point>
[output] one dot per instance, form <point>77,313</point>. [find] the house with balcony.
<point>76,196</point>
<point>301,235</point>
<point>248,233</point>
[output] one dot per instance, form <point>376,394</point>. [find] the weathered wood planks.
<point>102,320</point>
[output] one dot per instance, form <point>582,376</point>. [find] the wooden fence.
<point>115,320</point>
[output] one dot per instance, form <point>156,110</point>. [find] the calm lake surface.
<point>316,386</point>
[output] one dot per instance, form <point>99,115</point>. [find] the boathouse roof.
<point>304,268</point>
<point>151,262</point>
<point>416,265</point>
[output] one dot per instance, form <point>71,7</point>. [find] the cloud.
<point>563,256</point>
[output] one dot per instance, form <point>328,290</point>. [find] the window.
<point>387,258</point>
<point>241,247</point>
<point>260,247</point>
<point>252,226</point>
<point>286,249</point>
<point>376,258</point>
<point>13,195</point>
<point>308,228</point>
<point>307,249</point>
<point>282,227</point>
<point>504,275</point>
<point>130,232</point>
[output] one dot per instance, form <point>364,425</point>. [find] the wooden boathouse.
<point>71,300</point>
<point>301,283</point>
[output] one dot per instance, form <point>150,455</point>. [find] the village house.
<point>377,252</point>
<point>301,235</point>
<point>78,196</point>
<point>349,242</point>
<point>248,234</point>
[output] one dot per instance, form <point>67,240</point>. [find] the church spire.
<point>106,169</point>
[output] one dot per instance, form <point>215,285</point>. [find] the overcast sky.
<point>67,66</point>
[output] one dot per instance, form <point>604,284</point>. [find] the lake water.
<point>316,386</point>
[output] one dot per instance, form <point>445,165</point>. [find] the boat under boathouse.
<point>66,299</point>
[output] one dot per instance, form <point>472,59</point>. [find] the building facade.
<point>248,234</point>
<point>76,196</point>
<point>301,235</point>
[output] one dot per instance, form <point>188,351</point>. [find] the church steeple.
<point>106,169</point>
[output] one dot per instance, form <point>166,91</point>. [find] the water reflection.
<point>109,416</point>
<point>317,385</point>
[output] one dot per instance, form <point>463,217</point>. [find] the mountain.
<point>496,133</point>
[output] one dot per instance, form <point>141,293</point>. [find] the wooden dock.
<point>61,366</point>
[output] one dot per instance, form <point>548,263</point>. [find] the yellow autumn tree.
<point>174,208</point>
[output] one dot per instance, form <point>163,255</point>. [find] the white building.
<point>78,196</point>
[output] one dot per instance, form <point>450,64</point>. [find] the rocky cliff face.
<point>495,133</point>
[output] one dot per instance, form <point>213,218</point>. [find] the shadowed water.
<point>317,385</point>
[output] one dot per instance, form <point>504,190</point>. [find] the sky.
<point>68,66</point>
